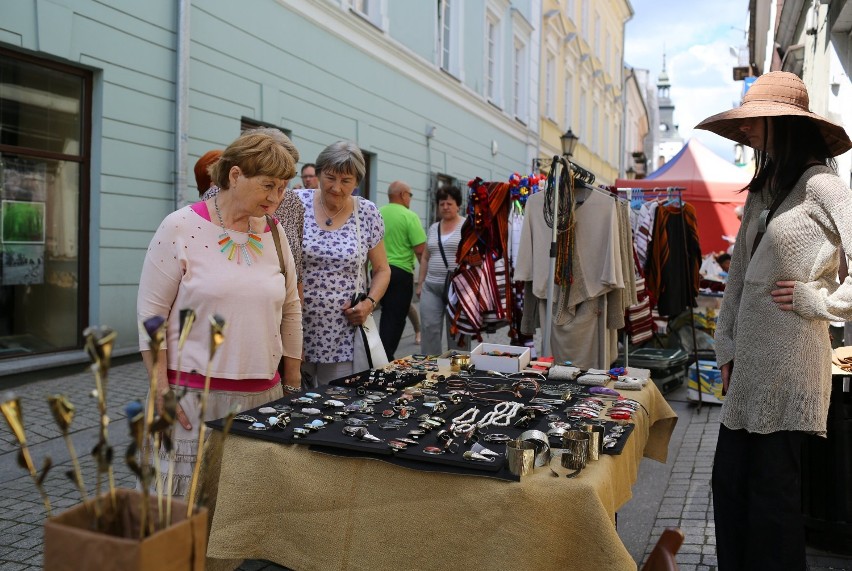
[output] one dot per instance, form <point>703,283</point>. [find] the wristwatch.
<point>373,301</point>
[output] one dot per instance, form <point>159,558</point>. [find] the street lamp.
<point>569,142</point>
<point>631,173</point>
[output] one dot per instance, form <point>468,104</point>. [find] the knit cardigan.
<point>781,378</point>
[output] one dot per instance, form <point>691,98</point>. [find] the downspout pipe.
<point>622,168</point>
<point>181,100</point>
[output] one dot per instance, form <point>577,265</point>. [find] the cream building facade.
<point>582,84</point>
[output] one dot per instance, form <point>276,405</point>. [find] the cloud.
<point>698,58</point>
<point>703,85</point>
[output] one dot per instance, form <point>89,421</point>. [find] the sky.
<point>696,38</point>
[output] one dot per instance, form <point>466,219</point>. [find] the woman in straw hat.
<point>772,341</point>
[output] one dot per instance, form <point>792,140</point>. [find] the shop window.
<point>44,174</point>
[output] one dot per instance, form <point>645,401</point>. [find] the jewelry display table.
<point>306,510</point>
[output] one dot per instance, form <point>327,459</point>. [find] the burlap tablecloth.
<point>308,510</point>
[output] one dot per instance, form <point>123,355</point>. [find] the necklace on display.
<point>329,220</point>
<point>248,250</point>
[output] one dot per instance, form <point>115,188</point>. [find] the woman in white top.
<point>446,234</point>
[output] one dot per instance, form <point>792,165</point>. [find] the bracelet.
<point>292,389</point>
<point>373,301</point>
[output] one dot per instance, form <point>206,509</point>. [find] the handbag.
<point>369,351</point>
<point>448,279</point>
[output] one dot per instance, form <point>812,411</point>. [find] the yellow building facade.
<point>582,87</point>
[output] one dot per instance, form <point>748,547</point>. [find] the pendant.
<point>248,251</point>
<point>328,221</point>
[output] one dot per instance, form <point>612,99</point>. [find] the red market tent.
<point>711,185</point>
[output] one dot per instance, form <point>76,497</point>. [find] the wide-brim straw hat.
<point>776,94</point>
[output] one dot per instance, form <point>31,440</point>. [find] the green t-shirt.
<point>403,232</point>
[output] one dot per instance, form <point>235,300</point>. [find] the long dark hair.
<point>797,143</point>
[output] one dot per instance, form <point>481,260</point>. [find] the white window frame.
<point>570,9</point>
<point>568,101</point>
<point>597,39</point>
<point>493,60</point>
<point>371,10</point>
<point>522,91</point>
<point>520,81</point>
<point>448,36</point>
<point>549,85</point>
<point>595,127</point>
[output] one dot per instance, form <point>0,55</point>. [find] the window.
<point>606,152</point>
<point>445,28</point>
<point>549,85</point>
<point>595,141</point>
<point>247,123</point>
<point>519,80</point>
<point>439,181</point>
<point>581,132</point>
<point>569,100</point>
<point>570,10</point>
<point>45,127</point>
<point>492,58</point>
<point>607,54</point>
<point>365,189</point>
<point>584,25</point>
<point>371,10</point>
<point>597,35</point>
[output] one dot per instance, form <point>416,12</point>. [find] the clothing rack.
<point>671,192</point>
<point>582,178</point>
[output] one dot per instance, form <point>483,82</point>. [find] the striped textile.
<point>480,297</point>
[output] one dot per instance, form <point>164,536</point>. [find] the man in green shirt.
<point>404,239</point>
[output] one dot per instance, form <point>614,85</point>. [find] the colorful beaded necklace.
<point>248,250</point>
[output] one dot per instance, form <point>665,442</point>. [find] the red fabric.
<point>196,381</point>
<point>711,185</point>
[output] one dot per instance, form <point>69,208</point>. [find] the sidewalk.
<point>675,494</point>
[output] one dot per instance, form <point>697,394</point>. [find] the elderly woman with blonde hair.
<point>220,256</point>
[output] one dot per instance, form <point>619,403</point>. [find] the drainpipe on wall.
<point>621,156</point>
<point>181,100</point>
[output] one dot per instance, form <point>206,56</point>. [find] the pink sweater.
<point>185,269</point>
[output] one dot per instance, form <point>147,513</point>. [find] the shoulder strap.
<point>441,246</point>
<point>361,268</point>
<point>273,226</point>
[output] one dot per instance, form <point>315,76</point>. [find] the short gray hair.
<point>342,157</point>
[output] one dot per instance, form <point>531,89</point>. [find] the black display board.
<point>357,390</point>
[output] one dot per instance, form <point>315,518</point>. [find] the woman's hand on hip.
<point>783,296</point>
<point>726,370</point>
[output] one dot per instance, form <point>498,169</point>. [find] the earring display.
<point>495,424</point>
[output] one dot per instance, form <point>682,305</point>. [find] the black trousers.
<point>757,501</point>
<point>395,304</point>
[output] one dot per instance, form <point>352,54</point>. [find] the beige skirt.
<point>219,403</point>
